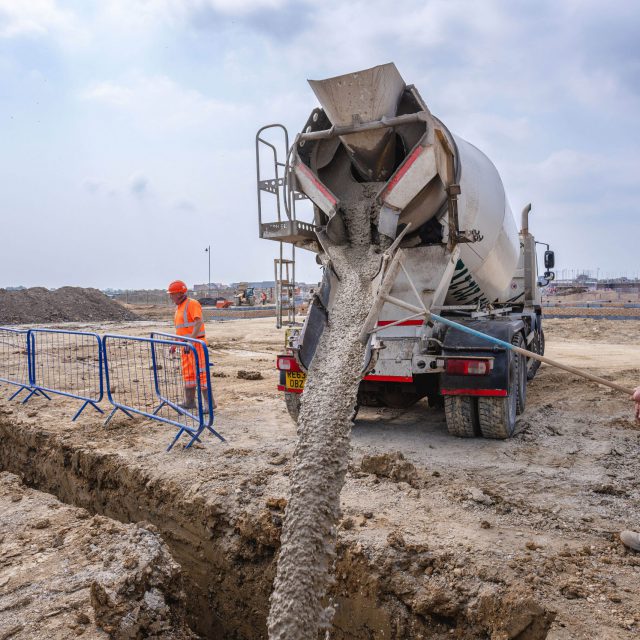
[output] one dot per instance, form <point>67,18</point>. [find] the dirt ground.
<point>64,573</point>
<point>153,312</point>
<point>439,538</point>
<point>603,296</point>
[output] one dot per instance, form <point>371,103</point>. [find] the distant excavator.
<point>244,295</point>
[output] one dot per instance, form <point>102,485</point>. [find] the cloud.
<point>139,186</point>
<point>143,16</point>
<point>235,7</point>
<point>573,174</point>
<point>184,206</point>
<point>92,186</point>
<point>37,18</point>
<point>159,103</point>
<point>550,91</point>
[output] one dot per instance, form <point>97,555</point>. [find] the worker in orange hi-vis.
<point>189,323</point>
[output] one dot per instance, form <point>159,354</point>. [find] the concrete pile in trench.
<point>298,607</point>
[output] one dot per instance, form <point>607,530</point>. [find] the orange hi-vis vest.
<point>185,318</point>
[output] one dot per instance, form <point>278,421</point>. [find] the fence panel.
<point>14,358</point>
<point>203,373</point>
<point>159,378</point>
<point>67,363</point>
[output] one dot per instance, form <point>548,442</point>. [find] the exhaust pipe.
<point>524,220</point>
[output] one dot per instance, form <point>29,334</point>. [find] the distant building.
<point>622,285</point>
<point>263,284</point>
<point>211,285</point>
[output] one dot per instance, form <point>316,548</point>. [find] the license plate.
<point>295,380</point>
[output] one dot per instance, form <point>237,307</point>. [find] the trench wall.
<point>228,560</point>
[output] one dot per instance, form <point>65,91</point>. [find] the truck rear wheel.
<point>497,416</point>
<point>461,413</point>
<point>292,400</point>
<point>521,369</point>
<point>537,346</point>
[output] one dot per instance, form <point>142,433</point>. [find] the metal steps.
<point>291,231</point>
<point>285,276</point>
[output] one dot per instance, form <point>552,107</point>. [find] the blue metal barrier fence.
<point>15,359</point>
<point>66,363</point>
<point>162,378</point>
<point>201,372</point>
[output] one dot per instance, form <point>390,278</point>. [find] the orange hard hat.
<point>177,286</point>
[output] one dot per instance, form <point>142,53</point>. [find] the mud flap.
<point>316,321</point>
<point>458,343</point>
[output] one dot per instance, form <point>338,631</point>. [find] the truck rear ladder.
<point>285,281</point>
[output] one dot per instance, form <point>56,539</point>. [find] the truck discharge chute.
<point>440,202</point>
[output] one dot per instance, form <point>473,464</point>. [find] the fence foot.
<point>210,428</point>
<point>106,422</point>
<point>155,411</point>
<point>194,438</point>
<point>180,432</point>
<point>81,409</point>
<point>20,390</point>
<point>216,434</point>
<point>33,392</point>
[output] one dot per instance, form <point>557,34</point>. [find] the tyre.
<point>292,401</point>
<point>462,416</point>
<point>521,374</point>
<point>368,397</point>
<point>497,416</point>
<point>537,346</point>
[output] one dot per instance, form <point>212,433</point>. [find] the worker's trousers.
<point>193,367</point>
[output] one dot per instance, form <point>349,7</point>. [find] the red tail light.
<point>287,363</point>
<point>469,366</point>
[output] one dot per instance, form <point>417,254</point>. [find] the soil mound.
<point>67,304</point>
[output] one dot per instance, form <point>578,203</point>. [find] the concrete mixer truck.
<point>440,201</point>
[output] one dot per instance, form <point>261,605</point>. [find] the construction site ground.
<point>439,538</point>
<point>151,312</point>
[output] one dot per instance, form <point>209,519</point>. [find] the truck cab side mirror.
<point>549,259</point>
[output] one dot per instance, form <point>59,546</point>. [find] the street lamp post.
<point>208,250</point>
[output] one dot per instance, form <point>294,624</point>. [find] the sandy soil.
<point>580,330</point>
<point>607,297</point>
<point>160,312</point>
<point>439,537</point>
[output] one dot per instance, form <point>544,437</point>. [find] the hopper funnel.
<point>364,96</point>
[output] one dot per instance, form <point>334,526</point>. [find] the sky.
<point>127,127</point>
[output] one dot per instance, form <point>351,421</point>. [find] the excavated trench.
<point>228,555</point>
